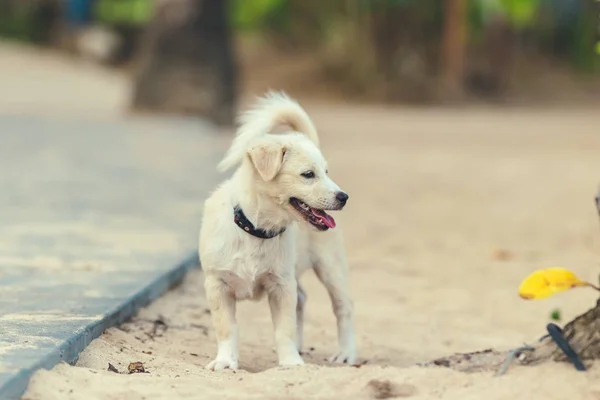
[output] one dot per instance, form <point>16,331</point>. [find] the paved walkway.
<point>91,213</point>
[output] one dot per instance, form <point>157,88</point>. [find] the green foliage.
<point>253,14</point>
<point>320,22</point>
<point>17,22</point>
<point>475,17</point>
<point>521,13</point>
<point>585,55</point>
<point>127,12</point>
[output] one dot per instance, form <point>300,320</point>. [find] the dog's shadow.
<point>310,355</point>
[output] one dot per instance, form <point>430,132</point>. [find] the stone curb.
<point>70,349</point>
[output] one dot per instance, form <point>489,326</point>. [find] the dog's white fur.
<point>240,266</point>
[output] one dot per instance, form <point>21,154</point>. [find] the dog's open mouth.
<point>317,218</point>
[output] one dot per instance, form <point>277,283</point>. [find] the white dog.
<point>266,225</point>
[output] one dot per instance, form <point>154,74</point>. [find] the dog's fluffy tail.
<point>274,108</point>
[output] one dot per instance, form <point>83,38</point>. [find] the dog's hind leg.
<point>300,316</point>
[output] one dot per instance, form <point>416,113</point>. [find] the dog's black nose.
<point>341,197</point>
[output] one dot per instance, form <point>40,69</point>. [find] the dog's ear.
<point>267,158</point>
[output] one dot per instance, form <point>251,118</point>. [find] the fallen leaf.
<point>547,282</point>
<point>136,367</point>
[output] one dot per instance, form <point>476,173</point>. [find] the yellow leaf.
<point>547,282</point>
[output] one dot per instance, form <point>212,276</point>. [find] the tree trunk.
<point>186,61</point>
<point>454,46</point>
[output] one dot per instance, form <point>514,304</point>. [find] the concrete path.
<point>96,219</point>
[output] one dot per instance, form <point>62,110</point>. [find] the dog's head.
<point>291,169</point>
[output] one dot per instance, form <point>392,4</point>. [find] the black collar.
<point>240,220</point>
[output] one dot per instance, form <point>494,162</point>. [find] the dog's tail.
<point>274,108</point>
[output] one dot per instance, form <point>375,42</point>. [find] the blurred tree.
<point>46,20</point>
<point>127,19</point>
<point>405,38</point>
<point>186,61</point>
<point>248,15</point>
<point>454,46</point>
<point>33,21</point>
<point>587,30</point>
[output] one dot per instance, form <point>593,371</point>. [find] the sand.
<point>435,197</point>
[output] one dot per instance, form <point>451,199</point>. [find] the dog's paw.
<point>221,364</point>
<point>291,360</point>
<point>344,357</point>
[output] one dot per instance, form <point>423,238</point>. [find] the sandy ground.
<point>435,196</point>
<point>37,81</point>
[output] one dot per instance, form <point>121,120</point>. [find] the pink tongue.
<point>325,218</point>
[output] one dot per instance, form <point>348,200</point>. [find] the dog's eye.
<point>308,174</point>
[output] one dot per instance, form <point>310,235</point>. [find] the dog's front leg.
<point>222,307</point>
<point>300,317</point>
<point>282,301</point>
<point>334,279</point>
